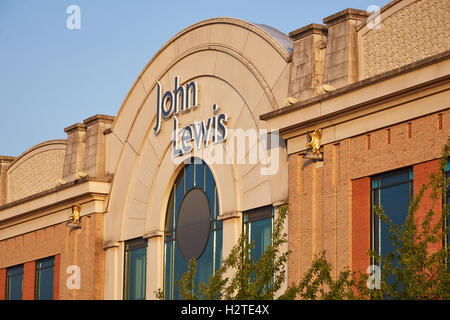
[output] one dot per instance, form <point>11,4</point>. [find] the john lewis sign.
<point>181,100</point>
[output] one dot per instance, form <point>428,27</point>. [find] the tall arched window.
<point>192,229</point>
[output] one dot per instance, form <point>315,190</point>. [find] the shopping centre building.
<point>226,123</point>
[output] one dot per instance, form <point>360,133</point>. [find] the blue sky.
<point>52,77</point>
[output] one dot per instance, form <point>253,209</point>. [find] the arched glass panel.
<point>192,229</point>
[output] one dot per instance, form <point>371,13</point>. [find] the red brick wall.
<point>29,275</point>
<point>2,284</point>
<point>421,172</point>
<point>360,224</point>
<point>56,276</point>
<point>83,247</point>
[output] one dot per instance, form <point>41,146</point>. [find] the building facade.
<point>212,139</point>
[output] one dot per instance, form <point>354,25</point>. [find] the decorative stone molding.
<point>153,234</point>
<point>110,244</point>
<point>230,215</point>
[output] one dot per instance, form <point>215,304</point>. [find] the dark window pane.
<point>393,197</point>
<point>135,269</point>
<point>394,178</point>
<point>218,252</point>
<point>169,215</point>
<point>179,194</point>
<point>210,189</point>
<point>168,270</point>
<point>189,177</point>
<point>205,264</point>
<point>179,268</point>
<point>375,183</point>
<point>45,269</point>
<point>258,225</point>
<point>14,282</point>
<point>199,175</point>
<point>259,213</point>
<point>260,234</point>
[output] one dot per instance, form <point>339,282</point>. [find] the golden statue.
<point>314,140</point>
<point>75,216</point>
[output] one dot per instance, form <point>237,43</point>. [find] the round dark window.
<point>192,230</point>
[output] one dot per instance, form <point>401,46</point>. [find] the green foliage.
<point>417,268</point>
<point>251,280</point>
<point>418,264</point>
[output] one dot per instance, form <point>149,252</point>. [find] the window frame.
<point>37,277</point>
<point>8,280</point>
<point>375,221</point>
<point>132,245</point>
<point>258,214</point>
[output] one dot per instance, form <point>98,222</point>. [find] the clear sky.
<point>52,77</point>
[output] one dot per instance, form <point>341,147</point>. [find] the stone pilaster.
<point>73,161</point>
<point>307,60</point>
<point>4,164</point>
<point>94,155</point>
<point>341,57</point>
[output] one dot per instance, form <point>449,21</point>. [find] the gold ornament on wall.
<point>75,217</point>
<point>314,145</point>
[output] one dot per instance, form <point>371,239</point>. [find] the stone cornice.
<point>356,86</point>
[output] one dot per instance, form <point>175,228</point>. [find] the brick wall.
<point>330,201</point>
<point>82,247</point>
<point>410,143</point>
<point>2,283</point>
<point>360,224</point>
<point>29,276</point>
<point>421,177</point>
<point>320,209</point>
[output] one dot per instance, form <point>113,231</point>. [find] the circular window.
<point>193,224</point>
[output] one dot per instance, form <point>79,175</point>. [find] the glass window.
<point>393,192</point>
<point>258,224</point>
<point>44,280</point>
<point>135,269</point>
<point>14,282</point>
<point>192,229</point>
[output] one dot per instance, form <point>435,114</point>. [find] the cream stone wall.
<point>410,31</point>
<point>37,170</point>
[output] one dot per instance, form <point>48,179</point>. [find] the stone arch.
<point>238,65</point>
